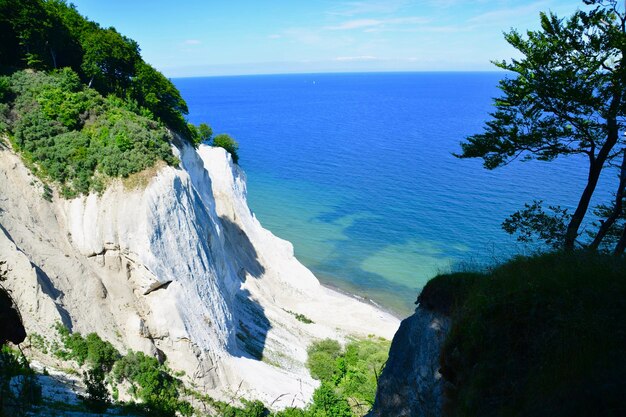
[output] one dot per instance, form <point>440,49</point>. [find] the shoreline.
<point>365,300</point>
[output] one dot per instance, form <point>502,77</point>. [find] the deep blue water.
<point>357,171</point>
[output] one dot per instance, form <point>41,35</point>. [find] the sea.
<point>358,172</point>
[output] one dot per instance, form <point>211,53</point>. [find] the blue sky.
<point>195,37</point>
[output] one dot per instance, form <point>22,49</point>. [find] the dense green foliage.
<point>248,409</point>
<point>151,382</point>
<point>566,98</point>
<point>51,34</point>
<point>540,336</point>
<point>99,354</point>
<point>322,360</point>
<point>351,373</point>
<point>76,137</point>
<point>79,102</point>
<point>200,134</point>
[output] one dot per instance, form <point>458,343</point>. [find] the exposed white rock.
<point>182,266</point>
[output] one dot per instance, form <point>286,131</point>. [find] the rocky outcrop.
<point>180,266</point>
<point>411,384</point>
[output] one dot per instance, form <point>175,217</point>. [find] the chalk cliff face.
<point>411,384</point>
<point>178,266</point>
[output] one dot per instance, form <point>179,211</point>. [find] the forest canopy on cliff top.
<point>46,35</point>
<point>78,101</point>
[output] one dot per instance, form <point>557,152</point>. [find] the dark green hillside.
<point>540,336</point>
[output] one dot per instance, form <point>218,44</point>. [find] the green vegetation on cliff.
<point>46,35</point>
<point>72,135</point>
<point>151,383</point>
<point>80,104</point>
<point>348,379</point>
<point>351,374</point>
<point>539,336</point>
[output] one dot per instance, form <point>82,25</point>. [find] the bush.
<point>4,117</point>
<point>205,132</point>
<point>292,412</point>
<point>155,386</point>
<point>98,353</point>
<point>322,359</point>
<point>5,89</point>
<point>152,382</point>
<point>250,409</point>
<point>351,373</point>
<point>363,363</point>
<point>225,141</point>
<point>326,403</point>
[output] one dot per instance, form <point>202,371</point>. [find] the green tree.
<point>51,34</point>
<point>34,34</point>
<point>23,28</point>
<point>205,132</point>
<point>227,142</point>
<point>98,398</point>
<point>109,60</point>
<point>61,41</point>
<point>326,403</point>
<point>156,93</point>
<point>567,98</point>
<point>10,51</point>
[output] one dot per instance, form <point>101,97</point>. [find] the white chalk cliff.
<point>179,266</point>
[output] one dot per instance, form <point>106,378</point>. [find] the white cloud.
<point>377,23</point>
<point>192,42</point>
<point>356,58</point>
<point>355,24</point>
<point>424,29</point>
<point>353,8</point>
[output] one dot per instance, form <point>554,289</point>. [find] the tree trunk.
<point>595,168</point>
<point>54,58</point>
<point>617,208</point>
<point>577,218</point>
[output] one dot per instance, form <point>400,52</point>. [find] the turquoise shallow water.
<point>357,171</point>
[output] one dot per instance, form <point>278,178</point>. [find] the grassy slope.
<point>540,336</point>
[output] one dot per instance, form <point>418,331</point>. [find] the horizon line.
<point>497,70</point>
